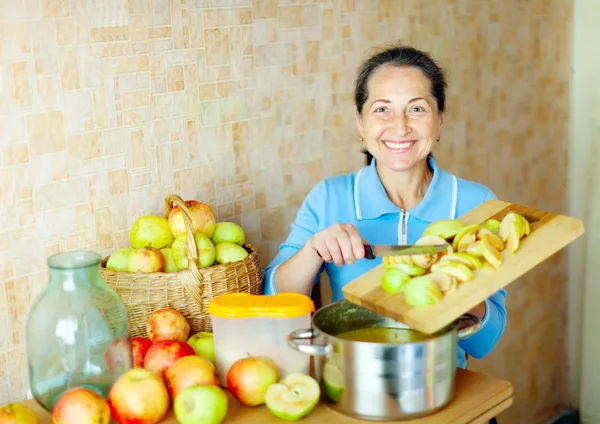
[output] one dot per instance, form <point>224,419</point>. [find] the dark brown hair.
<point>401,56</point>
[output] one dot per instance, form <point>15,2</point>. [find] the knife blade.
<point>374,250</point>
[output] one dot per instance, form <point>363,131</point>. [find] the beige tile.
<point>46,132</point>
<point>69,65</point>
<point>137,150</point>
<point>196,28</point>
<point>118,182</point>
<point>20,75</point>
<point>217,46</point>
<point>243,16</point>
<point>264,9</point>
<point>26,212</point>
<point>85,146</point>
<point>109,34</point>
<point>138,6</point>
<point>218,18</point>
<point>72,31</point>
<point>126,65</point>
<point>15,38</point>
<point>14,154</point>
<point>55,8</point>
<point>104,228</point>
<point>136,98</point>
<point>175,80</point>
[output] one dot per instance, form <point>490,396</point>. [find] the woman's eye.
<point>417,109</point>
<point>380,109</point>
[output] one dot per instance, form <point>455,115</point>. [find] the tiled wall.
<point>107,106</point>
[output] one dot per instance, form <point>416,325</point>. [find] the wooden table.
<point>478,398</point>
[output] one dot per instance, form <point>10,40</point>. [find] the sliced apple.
<point>293,397</point>
<point>526,227</point>
<point>444,228</point>
<point>393,280</point>
<point>466,236</point>
<point>410,269</point>
<point>456,269</point>
<point>422,291</point>
<point>491,224</point>
<point>475,249</point>
<point>468,259</point>
<point>495,241</point>
<point>425,261</point>
<point>512,222</point>
<point>513,242</point>
<point>490,253</point>
<point>482,231</point>
<point>445,282</point>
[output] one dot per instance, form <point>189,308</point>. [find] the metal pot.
<point>380,381</point>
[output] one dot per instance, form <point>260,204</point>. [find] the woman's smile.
<point>400,146</point>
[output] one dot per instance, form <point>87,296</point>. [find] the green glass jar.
<point>78,331</point>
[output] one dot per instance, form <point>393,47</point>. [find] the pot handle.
<point>467,331</point>
<point>298,340</point>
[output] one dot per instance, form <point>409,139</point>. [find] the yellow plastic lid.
<point>244,305</point>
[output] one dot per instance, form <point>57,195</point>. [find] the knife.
<point>374,250</point>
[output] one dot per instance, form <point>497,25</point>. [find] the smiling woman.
<point>400,102</point>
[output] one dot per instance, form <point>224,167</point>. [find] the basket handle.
<point>191,277</point>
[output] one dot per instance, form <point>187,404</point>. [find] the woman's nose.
<point>400,125</point>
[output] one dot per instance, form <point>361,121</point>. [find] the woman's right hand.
<point>339,243</point>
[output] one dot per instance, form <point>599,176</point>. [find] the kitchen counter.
<point>478,398</point>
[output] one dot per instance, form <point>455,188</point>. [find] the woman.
<point>400,102</point>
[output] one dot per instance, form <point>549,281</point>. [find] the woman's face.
<point>400,121</point>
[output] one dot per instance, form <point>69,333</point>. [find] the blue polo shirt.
<point>360,199</point>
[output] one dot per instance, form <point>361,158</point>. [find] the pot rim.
<point>445,331</point>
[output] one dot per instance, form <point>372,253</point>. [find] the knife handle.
<point>369,252</point>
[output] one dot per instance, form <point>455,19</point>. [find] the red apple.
<point>190,371</point>
<point>81,406</point>
<point>146,259</point>
<point>163,354</point>
<point>203,219</point>
<point>139,348</point>
<point>118,356</point>
<point>249,378</point>
<point>15,413</point>
<point>138,397</point>
<point>167,324</point>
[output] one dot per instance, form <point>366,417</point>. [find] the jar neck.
<point>71,271</point>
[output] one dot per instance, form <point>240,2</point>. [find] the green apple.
<point>203,344</point>
<point>293,397</point>
<point>228,232</point>
<point>152,231</point>
<point>229,252</point>
<point>170,265</point>
<point>333,380</point>
<point>206,251</point>
<point>118,260</point>
<point>393,280</point>
<point>201,405</point>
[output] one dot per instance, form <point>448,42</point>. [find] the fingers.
<point>340,244</point>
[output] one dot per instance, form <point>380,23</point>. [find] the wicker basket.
<point>190,290</point>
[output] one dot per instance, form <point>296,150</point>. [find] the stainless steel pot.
<point>380,381</point>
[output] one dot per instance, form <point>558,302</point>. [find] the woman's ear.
<point>359,124</point>
<point>439,134</point>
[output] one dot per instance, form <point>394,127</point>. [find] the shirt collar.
<point>371,201</point>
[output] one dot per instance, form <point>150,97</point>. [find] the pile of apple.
<point>158,244</point>
<point>171,369</point>
<point>425,278</point>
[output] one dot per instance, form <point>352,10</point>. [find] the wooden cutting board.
<point>549,234</point>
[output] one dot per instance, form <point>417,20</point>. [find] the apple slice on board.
<point>547,234</point>
<point>293,397</point>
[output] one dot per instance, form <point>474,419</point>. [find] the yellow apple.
<point>491,225</point>
<point>495,241</point>
<point>146,260</point>
<point>466,236</point>
<point>226,252</point>
<point>409,269</point>
<point>421,291</point>
<point>468,259</point>
<point>170,265</point>
<point>512,222</point>
<point>490,253</point>
<point>118,260</point>
<point>456,269</point>
<point>445,282</point>
<point>444,228</point>
<point>475,249</point>
<point>393,280</point>
<point>152,231</point>
<point>206,251</point>
<point>228,232</point>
